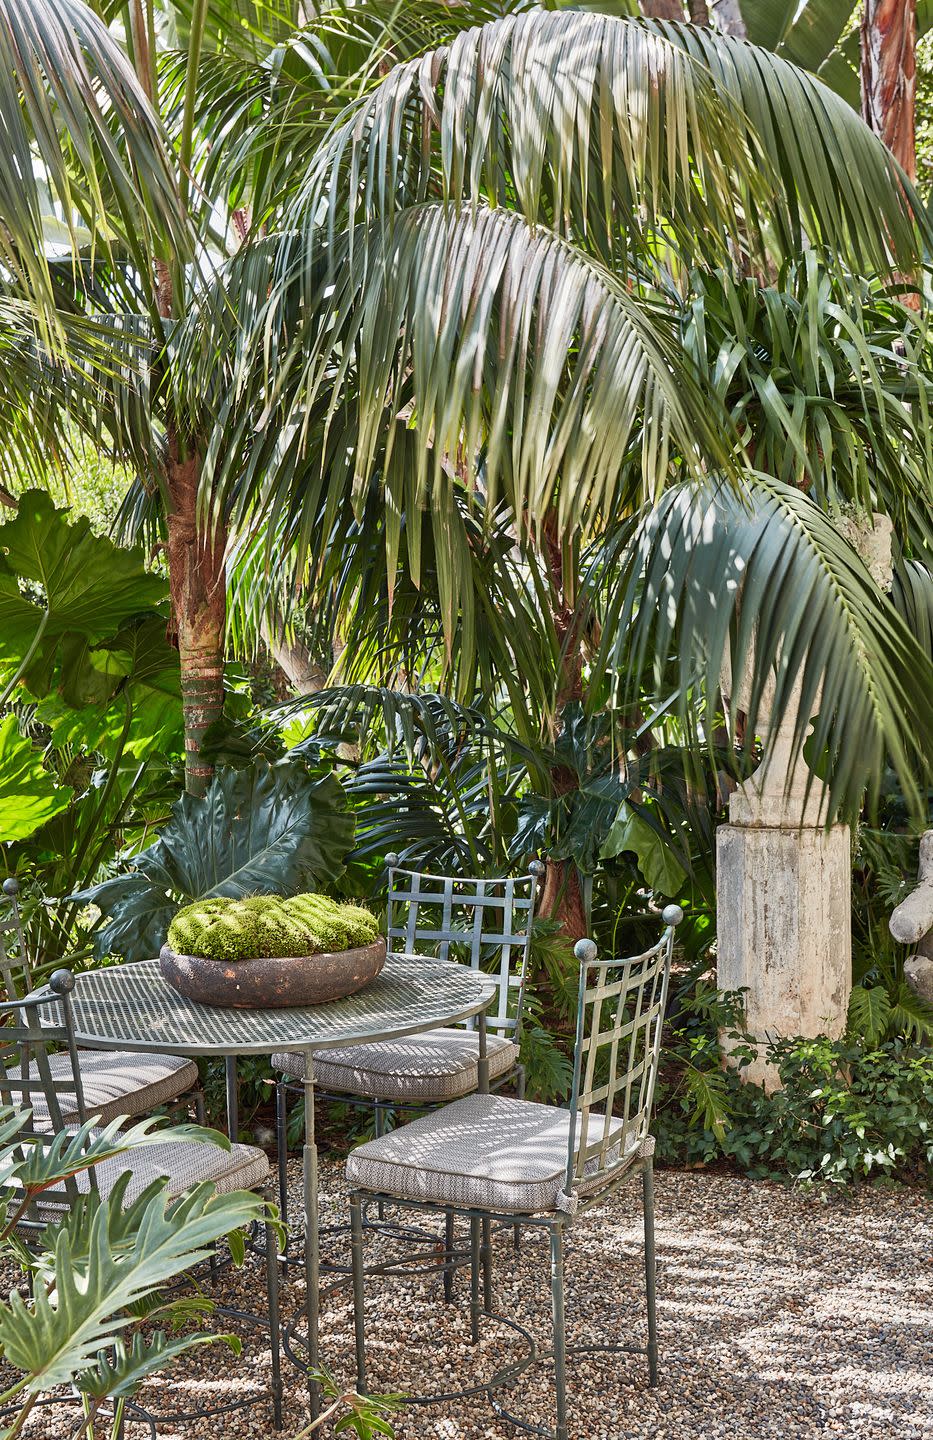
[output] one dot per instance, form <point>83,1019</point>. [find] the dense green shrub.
<point>846,1110</point>
<point>269,926</point>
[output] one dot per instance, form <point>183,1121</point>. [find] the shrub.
<point>847,1110</point>
<point>268,926</point>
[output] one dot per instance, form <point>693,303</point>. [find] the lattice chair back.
<point>620,1016</point>
<point>14,964</point>
<point>27,1081</point>
<point>483,923</point>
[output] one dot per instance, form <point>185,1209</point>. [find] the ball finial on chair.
<point>11,886</point>
<point>585,951</point>
<point>391,861</point>
<point>672,915</point>
<point>62,982</point>
<point>537,868</point>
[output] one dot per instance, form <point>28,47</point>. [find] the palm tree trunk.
<point>662,9</point>
<point>198,590</point>
<point>889,76</point>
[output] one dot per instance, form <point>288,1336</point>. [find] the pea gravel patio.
<point>782,1317</point>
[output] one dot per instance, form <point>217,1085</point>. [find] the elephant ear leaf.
<point>81,583</point>
<point>28,794</point>
<point>269,830</point>
<point>657,863</point>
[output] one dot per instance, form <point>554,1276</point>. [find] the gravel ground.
<point>781,1318</point>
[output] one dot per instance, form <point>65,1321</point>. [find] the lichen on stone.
<point>267,926</point>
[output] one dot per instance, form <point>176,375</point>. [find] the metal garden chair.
<point>489,1157</point>
<point>485,923</point>
<point>40,1070</point>
<point>114,1082</point>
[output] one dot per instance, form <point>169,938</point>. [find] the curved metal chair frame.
<point>621,1006</point>
<point>439,916</point>
<point>25,1073</point>
<point>18,981</point>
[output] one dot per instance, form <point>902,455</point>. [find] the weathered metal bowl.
<point>273,984</point>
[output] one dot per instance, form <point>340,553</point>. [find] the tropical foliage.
<point>102,1271</point>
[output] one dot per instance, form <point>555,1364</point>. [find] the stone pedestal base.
<point>784,930</point>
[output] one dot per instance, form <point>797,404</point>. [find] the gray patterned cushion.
<point>118,1083</point>
<point>439,1065</point>
<point>487,1151</point>
<point>184,1162</point>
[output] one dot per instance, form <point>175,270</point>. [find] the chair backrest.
<point>28,1082</point>
<point>484,923</point>
<point>14,964</point>
<point>620,1016</point>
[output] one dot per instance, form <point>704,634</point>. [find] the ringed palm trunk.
<point>889,76</point>
<point>562,895</point>
<point>197,586</point>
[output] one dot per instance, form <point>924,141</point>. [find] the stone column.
<point>783,879</point>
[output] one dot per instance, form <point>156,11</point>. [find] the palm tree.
<point>469,315</point>
<point>532,187</point>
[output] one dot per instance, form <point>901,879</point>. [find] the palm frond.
<point>79,144</point>
<point>766,577</point>
<point>625,135</point>
<point>525,369</point>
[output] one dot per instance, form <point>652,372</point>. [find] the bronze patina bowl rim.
<point>273,983</point>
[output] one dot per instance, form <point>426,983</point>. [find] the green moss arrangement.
<point>266,926</point>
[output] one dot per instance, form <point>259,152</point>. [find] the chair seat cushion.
<point>439,1065</point>
<point>184,1162</point>
<point>487,1152</point>
<point>117,1082</point>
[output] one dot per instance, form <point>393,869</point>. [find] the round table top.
<point>132,1007</point>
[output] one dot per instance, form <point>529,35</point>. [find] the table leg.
<point>233,1099</point>
<point>312,1255</point>
<point>482,1063</point>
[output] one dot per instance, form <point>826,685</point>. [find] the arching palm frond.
<point>842,183</point>
<point>622,134</point>
<point>520,363</point>
<point>41,393</point>
<point>829,384</point>
<point>766,579</point>
<point>69,100</point>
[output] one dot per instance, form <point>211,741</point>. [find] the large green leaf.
<point>28,794</point>
<point>268,830</point>
<point>131,681</point>
<point>631,831</point>
<point>87,586</point>
<point>58,1334</point>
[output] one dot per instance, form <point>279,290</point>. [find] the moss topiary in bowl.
<point>269,952</point>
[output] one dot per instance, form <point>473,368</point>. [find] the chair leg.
<point>448,1256</point>
<point>487,1265</point>
<point>359,1324</point>
<point>200,1109</point>
<point>519,1095</point>
<point>557,1309</point>
<point>647,1180</point>
<point>474,1277</point>
<point>272,1297</point>
<point>378,1131</point>
<point>281,1145</point>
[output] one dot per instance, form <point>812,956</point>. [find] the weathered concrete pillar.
<point>783,881</point>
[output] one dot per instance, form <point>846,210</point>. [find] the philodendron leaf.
<point>82,584</point>
<point>267,830</point>
<point>661,869</point>
<point>28,794</point>
<point>121,1372</point>
<point>59,1333</point>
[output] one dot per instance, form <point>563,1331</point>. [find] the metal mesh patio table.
<point>131,1006</point>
